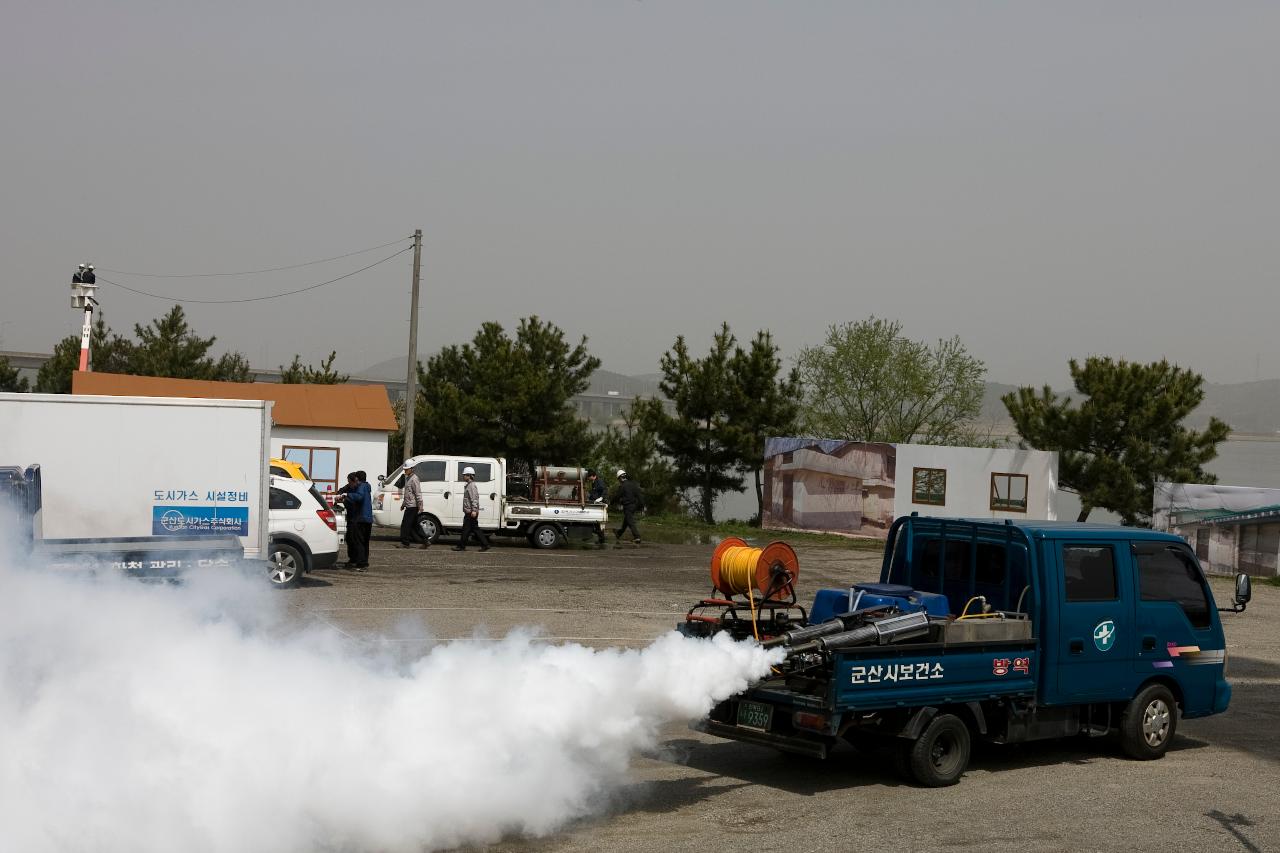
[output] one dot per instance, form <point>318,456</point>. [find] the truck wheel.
<point>1149,723</point>
<point>941,754</point>
<point>545,536</point>
<point>429,527</point>
<point>286,565</point>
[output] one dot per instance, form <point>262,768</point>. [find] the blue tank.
<point>829,603</point>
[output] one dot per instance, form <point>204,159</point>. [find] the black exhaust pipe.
<point>890,630</point>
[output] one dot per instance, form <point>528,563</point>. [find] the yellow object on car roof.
<point>285,468</point>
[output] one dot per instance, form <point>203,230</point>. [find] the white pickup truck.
<point>555,509</point>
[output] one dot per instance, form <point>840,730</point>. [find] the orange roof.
<point>337,406</point>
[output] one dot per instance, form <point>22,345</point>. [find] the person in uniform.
<point>471,513</point>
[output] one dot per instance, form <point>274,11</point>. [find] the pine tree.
<point>633,447</point>
<point>505,396</point>
<point>108,353</point>
<point>700,439</point>
<point>1125,434</point>
<point>169,347</point>
<point>765,405</point>
<point>298,373</point>
<point>9,378</point>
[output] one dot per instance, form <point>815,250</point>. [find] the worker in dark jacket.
<point>631,499</point>
<point>595,495</point>
<point>362,519</point>
<point>595,488</point>
<point>351,502</point>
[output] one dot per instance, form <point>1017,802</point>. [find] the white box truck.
<point>138,479</point>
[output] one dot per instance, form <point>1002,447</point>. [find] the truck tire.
<point>429,527</point>
<point>940,755</point>
<point>545,536</point>
<point>1149,723</point>
<point>285,566</point>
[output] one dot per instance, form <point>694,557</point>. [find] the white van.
<point>556,509</point>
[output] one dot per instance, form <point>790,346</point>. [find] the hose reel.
<point>739,569</point>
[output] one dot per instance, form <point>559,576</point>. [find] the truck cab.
<point>442,485</point>
<point>554,509</point>
<point>1023,631</point>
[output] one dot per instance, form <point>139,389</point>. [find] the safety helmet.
<point>621,473</point>
<point>468,470</point>
<point>408,463</point>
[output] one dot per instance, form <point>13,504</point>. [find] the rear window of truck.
<point>1089,572</point>
<point>996,569</point>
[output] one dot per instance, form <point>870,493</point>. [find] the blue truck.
<point>1004,631</point>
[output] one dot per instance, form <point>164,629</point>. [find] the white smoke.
<point>138,717</point>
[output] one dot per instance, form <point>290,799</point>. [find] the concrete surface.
<point>1217,788</point>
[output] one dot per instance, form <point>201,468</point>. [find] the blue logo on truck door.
<point>195,520</point>
<point>1104,635</point>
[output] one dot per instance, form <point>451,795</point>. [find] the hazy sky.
<point>1044,180</point>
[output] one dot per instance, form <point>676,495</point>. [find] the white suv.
<point>302,529</point>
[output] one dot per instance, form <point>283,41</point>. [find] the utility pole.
<point>84,284</point>
<point>411,382</point>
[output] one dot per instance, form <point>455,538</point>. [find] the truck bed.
<point>875,678</point>
<point>568,513</point>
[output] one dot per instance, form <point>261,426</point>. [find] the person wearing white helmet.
<point>631,499</point>
<point>412,507</point>
<point>471,512</point>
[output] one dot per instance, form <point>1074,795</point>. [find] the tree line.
<point>510,394</point>
<point>167,346</point>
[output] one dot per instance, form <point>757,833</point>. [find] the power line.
<point>251,272</point>
<point>252,298</point>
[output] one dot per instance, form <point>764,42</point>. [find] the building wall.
<point>847,491</point>
<point>1247,547</point>
<point>969,470</point>
<point>1258,548</point>
<point>358,449</point>
<point>860,488</point>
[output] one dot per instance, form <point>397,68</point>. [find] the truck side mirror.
<point>1244,590</point>
<point>382,478</point>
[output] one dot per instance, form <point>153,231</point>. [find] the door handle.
<point>1148,643</point>
<point>1077,647</point>
<point>446,496</point>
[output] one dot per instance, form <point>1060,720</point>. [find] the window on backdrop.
<point>321,463</point>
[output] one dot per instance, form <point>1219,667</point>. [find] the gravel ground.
<point>1215,790</point>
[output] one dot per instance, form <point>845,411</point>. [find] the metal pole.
<point>85,333</point>
<point>411,382</point>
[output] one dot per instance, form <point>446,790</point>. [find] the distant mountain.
<point>391,370</point>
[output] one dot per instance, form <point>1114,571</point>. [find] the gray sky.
<point>1044,180</point>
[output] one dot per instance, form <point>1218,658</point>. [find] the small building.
<point>328,429</point>
<point>851,487</point>
<point>1232,528</point>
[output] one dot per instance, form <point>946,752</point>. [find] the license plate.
<point>754,715</point>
